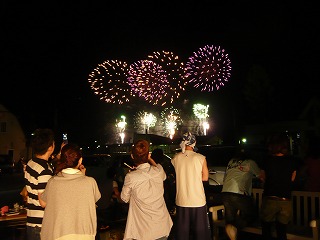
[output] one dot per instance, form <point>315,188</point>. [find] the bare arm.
<point>205,171</point>
<point>151,161</point>
<point>58,156</point>
<point>293,176</point>
<point>42,203</point>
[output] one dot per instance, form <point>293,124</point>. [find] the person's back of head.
<point>70,156</point>
<point>140,152</point>
<point>188,142</point>
<point>278,144</point>
<point>157,155</point>
<point>41,140</point>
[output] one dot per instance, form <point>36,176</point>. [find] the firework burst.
<point>149,81</point>
<point>144,120</point>
<point>109,81</point>
<point>175,72</point>
<point>209,68</point>
<point>201,112</point>
<point>170,118</point>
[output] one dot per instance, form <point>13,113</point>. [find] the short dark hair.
<point>140,152</point>
<point>41,140</point>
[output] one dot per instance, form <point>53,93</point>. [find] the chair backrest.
<point>305,205</point>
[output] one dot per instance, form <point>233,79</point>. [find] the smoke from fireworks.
<point>209,68</point>
<point>149,81</point>
<point>109,81</point>
<point>175,72</point>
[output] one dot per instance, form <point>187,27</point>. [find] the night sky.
<point>48,51</point>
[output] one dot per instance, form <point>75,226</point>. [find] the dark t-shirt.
<point>278,171</point>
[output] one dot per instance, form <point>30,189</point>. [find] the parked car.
<point>96,160</point>
<point>217,159</point>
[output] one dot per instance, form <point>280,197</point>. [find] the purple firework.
<point>209,68</point>
<point>149,81</point>
<point>109,81</point>
<point>175,72</point>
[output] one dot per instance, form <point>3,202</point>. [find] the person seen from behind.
<point>148,217</point>
<point>191,170</point>
<point>236,192</point>
<point>70,200</point>
<point>279,172</point>
<point>36,174</point>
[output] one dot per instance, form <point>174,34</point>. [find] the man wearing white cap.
<point>191,170</point>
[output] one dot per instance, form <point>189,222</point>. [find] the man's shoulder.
<point>188,152</point>
<point>91,180</point>
<point>198,155</point>
<point>37,161</point>
<point>176,155</point>
<point>38,166</point>
<point>249,161</point>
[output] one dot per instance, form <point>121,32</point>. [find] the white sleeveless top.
<point>190,190</point>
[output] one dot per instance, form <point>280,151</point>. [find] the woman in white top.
<point>148,217</point>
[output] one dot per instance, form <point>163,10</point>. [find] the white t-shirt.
<point>238,178</point>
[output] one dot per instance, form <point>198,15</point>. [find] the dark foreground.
<point>10,187</point>
<point>115,232</point>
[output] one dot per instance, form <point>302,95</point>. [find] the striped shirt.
<point>36,175</point>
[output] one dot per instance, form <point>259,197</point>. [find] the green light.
<point>200,110</point>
